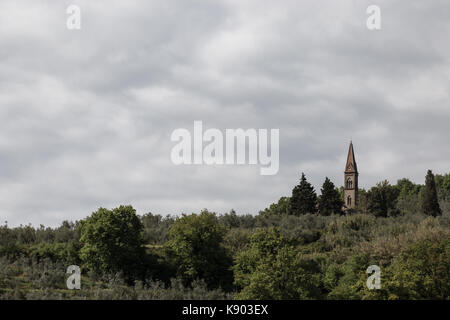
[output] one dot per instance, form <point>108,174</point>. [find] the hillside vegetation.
<point>290,250</point>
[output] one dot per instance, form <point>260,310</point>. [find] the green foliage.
<point>341,280</point>
<point>382,199</point>
<point>271,268</point>
<point>195,248</point>
<point>430,204</point>
<point>67,253</point>
<point>330,200</point>
<point>236,239</point>
<point>112,241</point>
<point>303,229</point>
<point>25,278</point>
<point>363,201</point>
<point>232,220</point>
<point>346,231</point>
<point>27,235</point>
<point>274,255</point>
<point>443,189</point>
<point>304,198</point>
<point>407,202</point>
<point>406,187</point>
<point>420,271</point>
<point>443,186</point>
<point>282,207</point>
<point>156,228</point>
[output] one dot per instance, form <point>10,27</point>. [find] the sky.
<point>87,115</point>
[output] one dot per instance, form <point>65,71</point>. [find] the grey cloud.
<point>87,115</point>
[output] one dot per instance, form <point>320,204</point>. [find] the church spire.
<point>350,166</point>
<point>351,180</point>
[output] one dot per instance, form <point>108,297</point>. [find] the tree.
<point>271,268</point>
<point>112,241</point>
<point>304,198</point>
<point>405,186</point>
<point>363,201</point>
<point>330,200</point>
<point>430,204</point>
<point>422,271</point>
<point>156,228</point>
<point>282,207</point>
<point>382,199</point>
<point>443,186</point>
<point>408,198</point>
<point>340,279</point>
<point>195,248</point>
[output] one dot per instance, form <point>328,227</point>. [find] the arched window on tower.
<point>349,183</point>
<point>349,201</point>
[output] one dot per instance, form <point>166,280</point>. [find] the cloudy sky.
<point>86,115</point>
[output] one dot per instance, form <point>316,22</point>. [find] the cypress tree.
<point>304,198</point>
<point>330,201</point>
<point>430,204</point>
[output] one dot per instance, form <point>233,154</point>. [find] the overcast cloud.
<point>86,116</point>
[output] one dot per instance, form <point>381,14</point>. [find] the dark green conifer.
<point>430,204</point>
<point>330,201</point>
<point>304,198</point>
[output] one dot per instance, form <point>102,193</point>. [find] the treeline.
<point>302,247</point>
<point>382,200</point>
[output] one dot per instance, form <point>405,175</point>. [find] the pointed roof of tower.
<point>350,166</point>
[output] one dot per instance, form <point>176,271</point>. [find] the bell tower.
<point>351,180</point>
